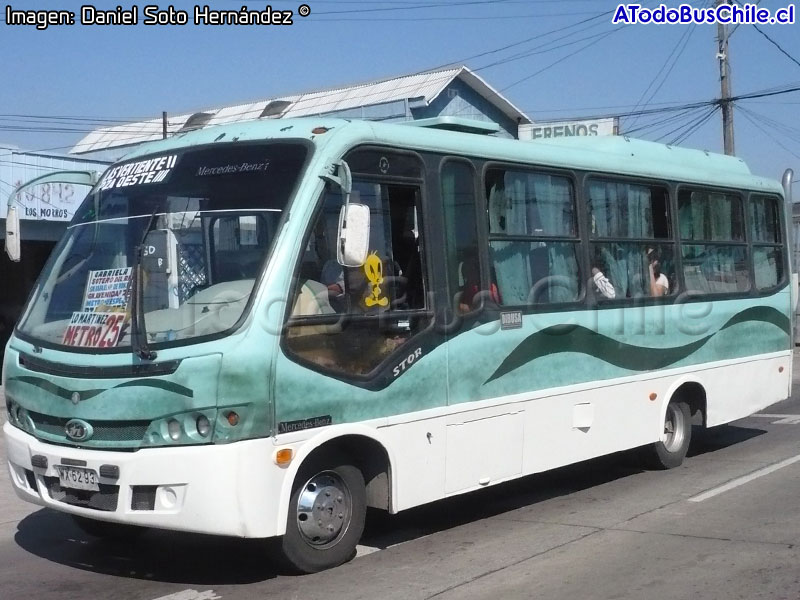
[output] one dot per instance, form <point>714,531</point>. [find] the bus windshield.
<point>198,224</point>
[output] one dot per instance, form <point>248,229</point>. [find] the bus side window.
<point>765,233</point>
<point>713,247</point>
<point>349,319</point>
<point>631,239</point>
<point>533,237</point>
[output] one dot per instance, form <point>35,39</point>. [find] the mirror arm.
<point>338,173</point>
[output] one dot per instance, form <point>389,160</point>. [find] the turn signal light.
<point>653,396</point>
<point>284,456</point>
<point>233,419</point>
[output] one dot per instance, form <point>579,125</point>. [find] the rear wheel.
<point>108,531</point>
<point>670,450</point>
<point>326,516</point>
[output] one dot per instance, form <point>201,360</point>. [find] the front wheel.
<point>326,516</point>
<point>670,450</point>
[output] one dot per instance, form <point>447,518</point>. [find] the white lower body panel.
<point>456,449</point>
<point>226,489</point>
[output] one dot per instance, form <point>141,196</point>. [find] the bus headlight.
<point>174,429</point>
<point>12,408</point>
<point>203,426</point>
<point>24,420</point>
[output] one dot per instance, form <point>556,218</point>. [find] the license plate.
<point>76,478</point>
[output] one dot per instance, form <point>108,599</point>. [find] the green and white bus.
<point>262,329</point>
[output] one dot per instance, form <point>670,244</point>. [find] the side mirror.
<point>13,234</point>
<point>353,240</point>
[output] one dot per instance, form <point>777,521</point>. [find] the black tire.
<point>108,531</point>
<point>325,535</point>
<point>669,452</point>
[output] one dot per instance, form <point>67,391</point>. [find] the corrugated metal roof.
<point>424,87</point>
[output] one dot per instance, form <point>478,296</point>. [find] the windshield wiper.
<point>138,325</point>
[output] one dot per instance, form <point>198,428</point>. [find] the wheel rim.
<point>324,510</point>
<point>674,429</point>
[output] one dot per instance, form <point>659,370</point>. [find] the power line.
<point>315,97</point>
<point>545,48</point>
<point>411,7</point>
<point>692,128</point>
<point>774,43</point>
<point>747,115</point>
<point>454,18</point>
<point>657,125</point>
<point>562,59</point>
<point>677,129</point>
<point>790,132</point>
<point>687,34</point>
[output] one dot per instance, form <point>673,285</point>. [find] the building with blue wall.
<point>455,92</point>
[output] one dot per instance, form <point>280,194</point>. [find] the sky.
<point>554,59</point>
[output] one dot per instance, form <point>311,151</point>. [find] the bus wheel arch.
<point>339,476</point>
<point>694,394</point>
<point>370,457</point>
<point>687,402</point>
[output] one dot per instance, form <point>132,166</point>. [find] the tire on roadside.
<point>326,517</point>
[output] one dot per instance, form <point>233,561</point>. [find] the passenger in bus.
<point>659,284</point>
<point>332,277</point>
<point>471,275</point>
<point>602,285</point>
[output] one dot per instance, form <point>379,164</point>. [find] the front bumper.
<point>227,489</point>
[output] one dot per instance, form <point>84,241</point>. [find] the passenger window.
<point>628,210</point>
<point>631,255</point>
<point>710,216</point>
<point>350,319</point>
<point>464,282</point>
<point>533,241</point>
<point>713,248</point>
<point>765,232</point>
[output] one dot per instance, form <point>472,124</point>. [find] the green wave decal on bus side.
<point>167,386</point>
<point>576,338</point>
<point>56,390</point>
<point>61,392</point>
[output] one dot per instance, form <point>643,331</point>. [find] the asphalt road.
<point>724,525</point>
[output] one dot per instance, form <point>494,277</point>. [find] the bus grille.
<point>104,431</point>
<point>105,499</point>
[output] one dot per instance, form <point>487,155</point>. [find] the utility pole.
<point>725,85</point>
<point>164,124</point>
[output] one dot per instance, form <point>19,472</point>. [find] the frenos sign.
<point>537,131</point>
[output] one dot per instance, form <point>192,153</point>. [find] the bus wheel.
<point>670,450</point>
<point>108,531</point>
<point>326,516</point>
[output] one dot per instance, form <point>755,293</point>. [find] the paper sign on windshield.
<point>94,330</point>
<point>107,288</point>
